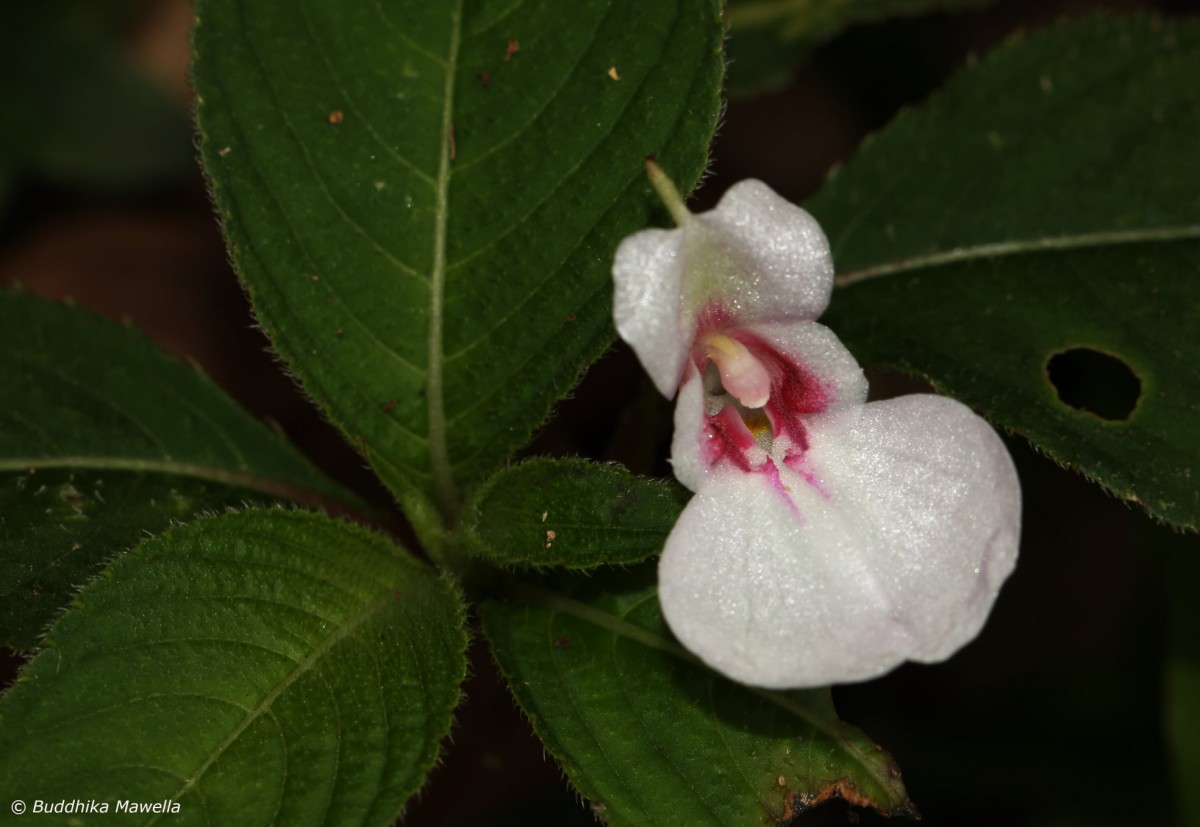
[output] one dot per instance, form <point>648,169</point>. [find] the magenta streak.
<point>796,392</point>
<point>772,474</point>
<point>812,480</point>
<point>728,438</point>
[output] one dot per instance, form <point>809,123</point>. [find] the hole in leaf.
<point>1095,382</point>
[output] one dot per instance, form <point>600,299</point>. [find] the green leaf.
<point>75,109</point>
<point>1045,205</point>
<point>570,512</point>
<point>104,438</point>
<point>257,668</point>
<point>654,737</point>
<point>423,201</point>
<point>769,38</point>
<point>59,527</point>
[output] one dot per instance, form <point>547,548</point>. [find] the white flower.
<point>829,539</point>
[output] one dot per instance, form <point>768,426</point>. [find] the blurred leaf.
<point>423,202</point>
<point>256,668</point>
<point>1044,207</point>
<point>1182,707</point>
<point>654,737</point>
<point>75,109</point>
<point>6,188</point>
<point>571,512</point>
<point>104,438</point>
<point>1183,697</point>
<point>769,38</point>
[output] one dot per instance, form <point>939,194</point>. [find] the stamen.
<point>743,375</point>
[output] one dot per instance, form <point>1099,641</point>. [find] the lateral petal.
<point>648,272</point>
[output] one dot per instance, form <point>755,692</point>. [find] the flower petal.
<point>891,546</point>
<point>813,348</point>
<point>753,258</point>
<point>945,500</point>
<point>818,351</point>
<point>647,304</point>
<point>760,257</point>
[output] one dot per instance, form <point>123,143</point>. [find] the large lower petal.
<point>890,544</point>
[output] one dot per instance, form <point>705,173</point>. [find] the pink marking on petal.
<point>794,459</point>
<point>727,437</point>
<point>795,393</point>
<point>712,318</point>
<point>794,388</point>
<point>812,480</point>
<point>777,484</point>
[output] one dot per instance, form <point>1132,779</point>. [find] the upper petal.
<point>890,546</point>
<point>759,257</point>
<point>755,257</point>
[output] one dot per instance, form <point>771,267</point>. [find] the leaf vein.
<point>439,456</point>
<point>64,721</point>
<point>284,297</point>
<point>504,15</point>
<point>567,77</point>
<point>583,719</point>
<point>733,759</point>
<point>634,179</point>
<point>387,148</point>
<point>301,668</point>
<point>416,46</point>
<point>318,178</point>
<point>1104,238</point>
<point>83,390</point>
<point>651,739</point>
<point>211,473</point>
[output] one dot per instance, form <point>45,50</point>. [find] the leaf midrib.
<point>1002,249</point>
<point>166,467</point>
<point>439,456</point>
